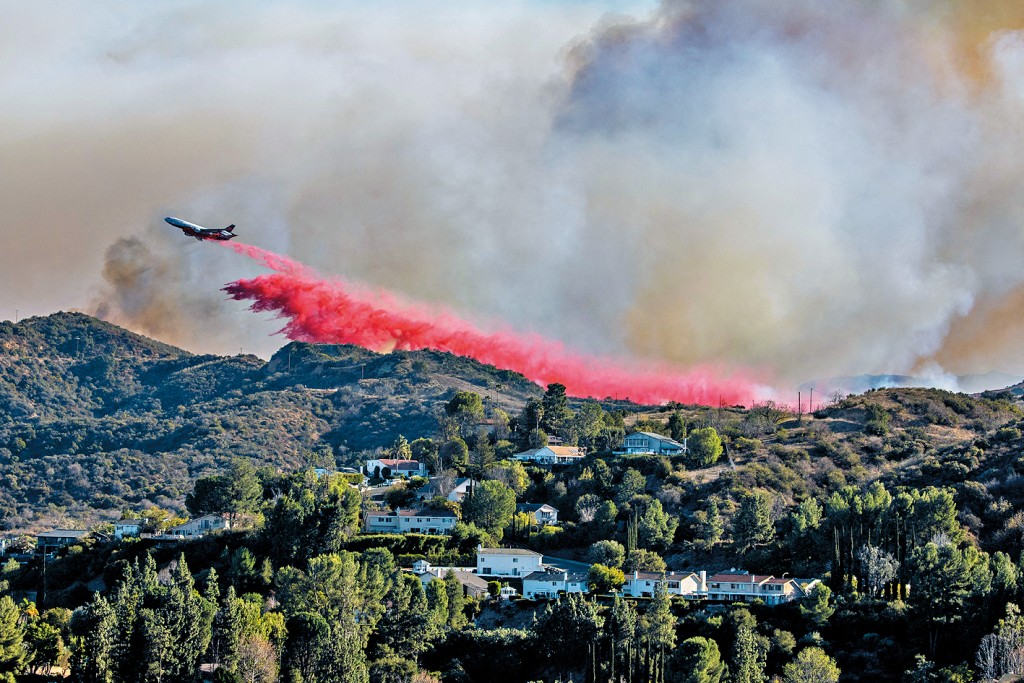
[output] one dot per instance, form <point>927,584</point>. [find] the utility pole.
<point>810,402</point>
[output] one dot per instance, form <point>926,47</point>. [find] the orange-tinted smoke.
<point>333,311</point>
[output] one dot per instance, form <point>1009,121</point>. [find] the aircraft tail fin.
<point>230,228</point>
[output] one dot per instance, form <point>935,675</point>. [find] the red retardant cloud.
<point>332,311</point>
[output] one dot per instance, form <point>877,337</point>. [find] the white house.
<point>199,527</point>
<point>639,443</point>
<point>542,513</point>
<point>460,487</point>
<point>550,583</point>
<point>388,468</point>
<point>642,584</point>
<point>128,527</point>
<point>410,521</point>
<point>744,587</point>
<point>552,455</point>
<point>507,562</point>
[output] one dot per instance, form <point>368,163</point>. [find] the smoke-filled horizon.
<point>333,311</point>
<point>810,188</point>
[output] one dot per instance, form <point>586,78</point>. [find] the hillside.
<point>94,418</point>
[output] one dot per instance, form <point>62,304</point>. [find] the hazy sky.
<point>811,187</point>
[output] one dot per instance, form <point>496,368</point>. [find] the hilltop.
<point>94,418</point>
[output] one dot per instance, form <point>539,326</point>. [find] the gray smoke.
<point>809,188</point>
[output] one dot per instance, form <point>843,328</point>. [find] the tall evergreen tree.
<point>12,651</point>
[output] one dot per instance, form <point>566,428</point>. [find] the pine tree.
<point>94,627</point>
<point>12,651</point>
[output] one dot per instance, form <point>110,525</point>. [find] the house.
<point>552,455</point>
<point>688,584</point>
<point>507,562</point>
<point>199,527</point>
<point>550,583</point>
<point>460,487</point>
<point>128,527</point>
<point>649,443</point>
<point>472,585</point>
<point>388,468</point>
<point>410,521</point>
<point>49,541</point>
<point>542,513</point>
<point>744,587</point>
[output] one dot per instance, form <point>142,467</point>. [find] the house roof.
<point>424,512</point>
<point>63,533</point>
<point>400,464</point>
<point>534,507</point>
<point>556,575</point>
<point>657,576</point>
<point>658,437</point>
<point>507,551</point>
<point>470,579</point>
<point>740,578</point>
<point>563,451</point>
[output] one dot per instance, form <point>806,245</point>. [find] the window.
<point>515,559</point>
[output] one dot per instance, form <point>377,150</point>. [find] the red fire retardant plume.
<point>332,311</point>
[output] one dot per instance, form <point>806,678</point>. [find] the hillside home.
<point>542,513</point>
<point>648,443</point>
<point>743,587</point>
<point>199,527</point>
<point>550,583</point>
<point>128,527</point>
<point>410,521</point>
<point>552,455</point>
<point>388,468</point>
<point>460,487</point>
<point>472,585</point>
<point>49,541</point>
<point>507,562</point>
<point>688,584</point>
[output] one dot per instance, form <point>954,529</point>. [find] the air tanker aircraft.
<point>201,233</point>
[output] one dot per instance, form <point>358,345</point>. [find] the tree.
<point>489,505</point>
<point>697,660</point>
<point>454,453</point>
<point>879,567</point>
<point>944,579</point>
<point>609,553</point>
<point>812,665</point>
<point>644,561</point>
<point>656,528</point>
<point>400,449</point>
<point>556,409</point>
<point>12,651</point>
<point>456,601</point>
<point>752,525</point>
<point>676,426</point>
<point>257,660</point>
<point>94,627</point>
<point>564,628</point>
<point>605,579</point>
<point>658,630</point>
<point>43,646</point>
<point>633,483</point>
<point>750,654</point>
<point>308,634</point>
<point>820,609</point>
<point>425,450</point>
<point>707,525</point>
<point>703,447</point>
<point>512,473</point>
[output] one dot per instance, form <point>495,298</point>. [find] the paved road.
<point>567,565</point>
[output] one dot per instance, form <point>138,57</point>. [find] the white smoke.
<point>813,188</point>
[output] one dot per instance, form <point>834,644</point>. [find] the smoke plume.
<point>333,311</point>
<point>809,187</point>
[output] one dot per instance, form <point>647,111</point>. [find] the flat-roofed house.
<point>743,587</point>
<point>128,527</point>
<point>507,562</point>
<point>49,541</point>
<point>410,521</point>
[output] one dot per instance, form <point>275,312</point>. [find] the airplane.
<point>201,233</point>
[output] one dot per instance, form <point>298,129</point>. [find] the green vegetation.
<point>905,503</point>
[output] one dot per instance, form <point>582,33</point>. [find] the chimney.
<point>703,580</point>
<point>636,575</point>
